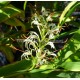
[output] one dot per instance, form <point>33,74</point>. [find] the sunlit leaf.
<point>39,73</point>
<point>25,4</point>
<point>71,49</point>
<point>66,10</point>
<point>71,66</point>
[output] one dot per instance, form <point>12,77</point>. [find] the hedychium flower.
<point>25,55</point>
<point>37,42</point>
<point>51,44</point>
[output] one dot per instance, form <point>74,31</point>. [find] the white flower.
<point>51,44</point>
<point>43,9</point>
<point>49,18</point>
<point>25,55</point>
<point>35,22</point>
<point>53,54</point>
<point>51,36</point>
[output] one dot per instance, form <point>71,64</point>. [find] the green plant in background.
<point>40,59</point>
<point>71,49</point>
<point>10,14</point>
<point>10,18</point>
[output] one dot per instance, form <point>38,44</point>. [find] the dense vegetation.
<point>39,40</point>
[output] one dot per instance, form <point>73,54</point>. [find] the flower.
<point>51,44</point>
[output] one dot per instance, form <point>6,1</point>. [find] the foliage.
<point>40,57</point>
<point>10,19</point>
<point>10,15</point>
<point>15,68</point>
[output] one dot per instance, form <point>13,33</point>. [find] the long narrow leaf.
<point>24,7</point>
<point>8,12</point>
<point>15,68</point>
<point>69,13</point>
<point>66,10</point>
<point>15,22</point>
<point>71,66</point>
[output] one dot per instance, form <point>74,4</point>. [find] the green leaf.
<point>67,12</point>
<point>64,74</point>
<point>71,49</point>
<point>12,22</point>
<point>68,74</point>
<point>8,12</point>
<point>15,22</point>
<point>4,3</point>
<point>68,54</point>
<point>24,7</point>
<point>8,53</point>
<point>14,69</point>
<point>44,67</point>
<point>39,73</point>
<point>71,66</point>
<point>70,12</point>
